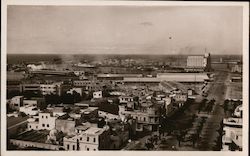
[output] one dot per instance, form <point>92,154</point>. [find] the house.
<point>190,92</point>
<point>232,138</point>
<point>147,116</point>
<point>91,139</point>
<point>232,129</point>
<point>46,121</point>
<point>54,88</point>
<point>125,99</point>
<point>97,95</point>
<point>16,102</point>
<point>29,110</point>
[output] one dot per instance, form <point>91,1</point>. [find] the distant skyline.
<point>124,29</point>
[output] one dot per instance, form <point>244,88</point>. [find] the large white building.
<point>183,77</point>
<point>198,62</point>
<point>91,139</point>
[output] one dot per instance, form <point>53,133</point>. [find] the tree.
<point>52,99</point>
<point>110,108</point>
<point>67,98</point>
<point>76,96</point>
<point>30,94</point>
<point>9,109</point>
<point>12,93</point>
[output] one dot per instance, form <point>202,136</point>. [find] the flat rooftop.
<point>119,75</point>
<point>34,136</point>
<point>94,131</point>
<point>11,121</point>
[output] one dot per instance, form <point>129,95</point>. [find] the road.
<point>216,91</point>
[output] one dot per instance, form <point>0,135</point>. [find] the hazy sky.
<point>124,29</point>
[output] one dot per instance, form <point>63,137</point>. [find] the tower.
<point>208,62</point>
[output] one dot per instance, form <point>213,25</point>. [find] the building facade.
<point>92,139</point>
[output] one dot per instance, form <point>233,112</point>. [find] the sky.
<point>124,29</point>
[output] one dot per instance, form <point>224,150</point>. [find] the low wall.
<point>22,144</point>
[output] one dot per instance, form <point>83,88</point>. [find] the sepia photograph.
<point>124,76</point>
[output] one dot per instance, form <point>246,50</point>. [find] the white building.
<point>238,111</point>
<point>16,102</point>
<point>232,138</point>
<point>91,139</point>
<point>180,97</point>
<point>29,110</point>
<point>50,89</point>
<point>237,68</point>
<point>183,77</point>
<point>45,121</point>
<point>126,99</point>
<point>79,73</point>
<point>147,117</point>
<point>97,95</point>
<point>198,62</point>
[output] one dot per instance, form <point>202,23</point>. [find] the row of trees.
<point>229,106</point>
<point>206,106</point>
<point>66,98</point>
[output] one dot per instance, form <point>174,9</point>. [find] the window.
<point>73,147</point>
<point>87,149</point>
<point>80,138</point>
<point>156,119</point>
<point>67,147</point>
<point>30,126</point>
<point>46,117</point>
<point>93,139</point>
<point>87,138</point>
<point>94,149</point>
<point>43,125</point>
<point>47,125</point>
<point>144,119</point>
<point>42,116</point>
<point>36,127</point>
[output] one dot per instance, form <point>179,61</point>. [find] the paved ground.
<point>217,91</point>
